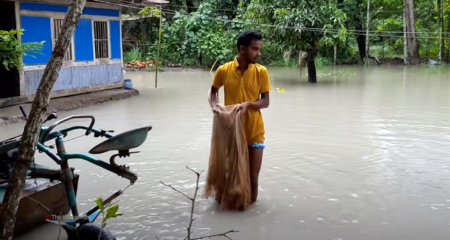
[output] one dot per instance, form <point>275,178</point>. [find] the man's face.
<point>253,51</point>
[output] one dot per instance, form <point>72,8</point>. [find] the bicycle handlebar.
<point>88,131</point>
<point>98,132</point>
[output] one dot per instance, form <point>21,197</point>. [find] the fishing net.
<point>228,178</point>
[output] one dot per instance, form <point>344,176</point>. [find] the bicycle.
<point>80,227</point>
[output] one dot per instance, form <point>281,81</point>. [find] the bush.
<point>134,54</point>
<point>11,49</point>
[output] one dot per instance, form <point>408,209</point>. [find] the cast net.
<point>228,178</point>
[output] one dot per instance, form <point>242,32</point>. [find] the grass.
<point>133,55</point>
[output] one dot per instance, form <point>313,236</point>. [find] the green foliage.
<point>202,37</point>
<point>151,12</point>
<point>300,24</point>
<point>110,212</point>
<point>321,62</point>
<point>11,49</point>
<point>153,68</point>
<point>198,36</point>
<point>133,55</point>
<point>196,33</point>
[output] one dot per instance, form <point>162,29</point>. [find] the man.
<point>246,83</point>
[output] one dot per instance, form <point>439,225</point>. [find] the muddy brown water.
<point>363,154</point>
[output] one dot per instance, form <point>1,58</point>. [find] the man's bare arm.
<point>213,96</point>
<point>264,102</point>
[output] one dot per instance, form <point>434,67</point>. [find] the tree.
<point>354,16</point>
<point>413,49</point>
<point>199,35</point>
<point>448,32</point>
<point>440,7</point>
<point>216,24</point>
<point>32,128</point>
<point>361,37</point>
<point>298,24</point>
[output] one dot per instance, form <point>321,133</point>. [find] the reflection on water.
<point>360,155</point>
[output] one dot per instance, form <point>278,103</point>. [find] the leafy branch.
<point>11,48</point>
<point>150,12</point>
<point>111,212</point>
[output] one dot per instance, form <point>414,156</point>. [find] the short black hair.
<point>246,38</point>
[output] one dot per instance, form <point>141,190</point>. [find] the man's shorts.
<point>258,145</point>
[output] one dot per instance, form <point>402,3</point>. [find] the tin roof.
<point>157,1</point>
<point>135,2</point>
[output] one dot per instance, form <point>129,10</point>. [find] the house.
<point>94,58</point>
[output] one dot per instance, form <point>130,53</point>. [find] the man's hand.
<point>215,107</point>
<point>243,106</point>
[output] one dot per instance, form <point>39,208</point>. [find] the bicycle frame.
<point>121,143</point>
<point>62,158</point>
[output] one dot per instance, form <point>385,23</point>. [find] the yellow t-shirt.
<point>246,88</point>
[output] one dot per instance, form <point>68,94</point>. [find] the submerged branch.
<point>168,185</point>
<point>191,220</point>
<point>216,235</point>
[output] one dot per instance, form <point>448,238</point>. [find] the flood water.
<point>362,154</point>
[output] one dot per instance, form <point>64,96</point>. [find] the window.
<point>57,25</point>
<point>101,39</point>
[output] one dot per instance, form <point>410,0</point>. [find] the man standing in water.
<point>246,83</point>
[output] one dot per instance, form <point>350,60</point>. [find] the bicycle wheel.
<point>90,231</point>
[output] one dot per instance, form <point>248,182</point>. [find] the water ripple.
<point>352,157</point>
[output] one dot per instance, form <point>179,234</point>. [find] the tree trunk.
<point>360,38</point>
<point>413,49</point>
<point>367,61</point>
<point>448,37</point>
<point>287,56</point>
<point>441,30</point>
<point>190,6</point>
<point>405,39</point>
<point>312,74</point>
<point>335,55</point>
<point>302,56</point>
<point>184,4</point>
<point>33,126</point>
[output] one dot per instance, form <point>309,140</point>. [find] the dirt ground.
<point>12,114</point>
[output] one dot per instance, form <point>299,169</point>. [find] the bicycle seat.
<point>124,141</point>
